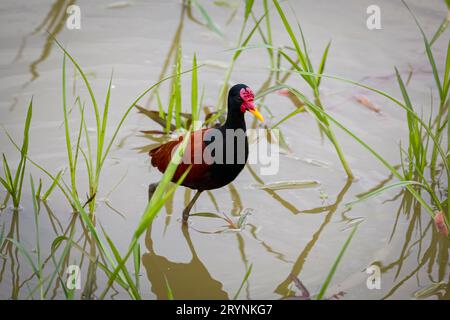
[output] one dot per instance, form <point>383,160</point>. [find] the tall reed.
<point>312,80</point>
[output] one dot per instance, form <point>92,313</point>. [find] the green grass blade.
<point>447,72</point>
<point>209,21</point>
<point>161,112</point>
<point>441,29</point>
<point>333,269</point>
<point>7,186</point>
<point>125,272</point>
<point>322,62</point>
<point>248,38</point>
<point>403,90</point>
<point>194,90</point>
<point>18,180</point>
<point>248,8</point>
<point>37,232</point>
<point>85,80</point>
<point>87,157</point>
<point>178,102</point>
<point>168,289</point>
<point>302,36</point>
<point>291,34</point>
<point>381,190</point>
<point>247,275</point>
<point>297,67</point>
<point>429,52</point>
<point>288,116</point>
<point>170,110</point>
<point>39,189</point>
<point>77,146</point>
<point>137,264</point>
<point>7,171</point>
<point>415,135</point>
<point>269,33</point>
<point>66,128</point>
<point>52,186</point>
<point>103,127</point>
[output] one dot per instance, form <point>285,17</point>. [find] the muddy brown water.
<point>296,232</point>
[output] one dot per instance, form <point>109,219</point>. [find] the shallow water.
<point>296,232</point>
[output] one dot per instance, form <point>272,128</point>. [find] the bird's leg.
<point>189,206</point>
<point>151,189</point>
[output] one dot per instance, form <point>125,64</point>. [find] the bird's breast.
<point>229,151</point>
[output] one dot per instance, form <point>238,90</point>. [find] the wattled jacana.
<point>213,156</point>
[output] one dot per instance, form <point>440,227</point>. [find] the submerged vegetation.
<point>422,172</point>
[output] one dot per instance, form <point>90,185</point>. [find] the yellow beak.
<point>256,113</point>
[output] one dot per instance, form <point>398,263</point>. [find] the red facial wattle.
<point>247,97</point>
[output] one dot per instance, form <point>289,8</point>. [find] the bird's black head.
<point>240,99</point>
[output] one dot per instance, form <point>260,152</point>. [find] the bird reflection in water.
<point>190,280</point>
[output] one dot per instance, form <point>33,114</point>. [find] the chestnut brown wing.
<point>193,156</point>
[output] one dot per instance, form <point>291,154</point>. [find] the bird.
<point>213,156</point>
